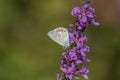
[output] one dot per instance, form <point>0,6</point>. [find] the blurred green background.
<point>27,53</point>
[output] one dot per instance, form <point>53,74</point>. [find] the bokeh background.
<point>27,53</point>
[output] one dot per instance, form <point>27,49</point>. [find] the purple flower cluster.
<point>84,17</point>
<point>74,58</point>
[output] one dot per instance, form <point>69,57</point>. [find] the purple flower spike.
<point>76,53</point>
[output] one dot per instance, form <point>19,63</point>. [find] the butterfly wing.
<point>60,35</point>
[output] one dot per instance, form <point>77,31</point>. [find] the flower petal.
<point>84,19</point>
<point>95,23</point>
<point>75,11</point>
<point>63,70</point>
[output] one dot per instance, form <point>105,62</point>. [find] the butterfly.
<point>60,35</point>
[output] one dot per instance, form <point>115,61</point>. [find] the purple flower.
<point>81,42</point>
<point>84,71</point>
<point>76,12</point>
<point>72,55</point>
<point>84,16</point>
<point>69,71</point>
<point>71,37</point>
